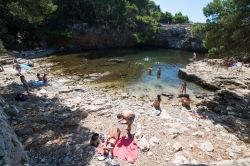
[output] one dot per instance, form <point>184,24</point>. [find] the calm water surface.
<point>132,74</point>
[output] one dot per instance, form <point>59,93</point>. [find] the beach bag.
<point>21,97</point>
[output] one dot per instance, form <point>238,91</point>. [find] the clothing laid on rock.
<point>21,97</point>
<point>38,83</point>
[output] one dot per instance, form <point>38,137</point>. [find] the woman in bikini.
<point>112,139</point>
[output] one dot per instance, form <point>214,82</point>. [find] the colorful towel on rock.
<point>25,66</point>
<point>38,83</point>
<point>125,149</point>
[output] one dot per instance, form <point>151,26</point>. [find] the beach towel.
<point>197,115</point>
<point>25,66</point>
<point>38,83</point>
<point>125,149</point>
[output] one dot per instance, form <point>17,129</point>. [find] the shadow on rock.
<point>232,108</point>
<point>52,133</point>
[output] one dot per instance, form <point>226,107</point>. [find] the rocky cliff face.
<point>11,149</point>
<point>177,37</point>
<point>169,36</point>
<point>97,38</point>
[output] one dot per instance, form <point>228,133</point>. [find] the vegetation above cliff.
<point>23,21</point>
<point>227,30</point>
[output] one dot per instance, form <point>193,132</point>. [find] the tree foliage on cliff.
<point>228,27</point>
<point>178,18</point>
<point>29,20</point>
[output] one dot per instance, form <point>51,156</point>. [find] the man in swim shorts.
<point>128,117</point>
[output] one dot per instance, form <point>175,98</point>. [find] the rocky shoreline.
<point>231,86</point>
<point>55,124</point>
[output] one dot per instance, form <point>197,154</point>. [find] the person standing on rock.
<point>25,83</point>
<point>17,66</point>
<point>127,117</point>
<point>183,88</point>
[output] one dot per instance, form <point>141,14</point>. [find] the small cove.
<point>132,73</point>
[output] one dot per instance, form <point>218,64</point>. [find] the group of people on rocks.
<point>126,117</point>
<point>26,85</point>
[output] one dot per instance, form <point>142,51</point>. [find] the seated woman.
<point>111,140</point>
<point>45,79</point>
<point>157,102</point>
<point>185,102</point>
<point>39,77</point>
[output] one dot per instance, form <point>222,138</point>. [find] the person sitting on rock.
<point>25,83</point>
<point>185,102</point>
<point>157,102</point>
<point>112,138</point>
<point>94,141</point>
<point>127,117</point>
<point>39,77</point>
<point>183,89</point>
<point>45,79</point>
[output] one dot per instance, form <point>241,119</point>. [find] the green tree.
<point>2,49</point>
<point>166,17</point>
<point>179,18</point>
<point>33,11</point>
<point>227,30</point>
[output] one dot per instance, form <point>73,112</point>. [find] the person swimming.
<point>150,71</point>
<point>159,72</point>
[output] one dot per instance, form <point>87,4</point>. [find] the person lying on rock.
<point>112,138</point>
<point>127,117</point>
<point>157,103</point>
<point>39,77</point>
<point>25,84</point>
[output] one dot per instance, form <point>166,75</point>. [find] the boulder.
<point>11,149</point>
<point>177,147</point>
<point>153,141</point>
<point>143,144</point>
<point>207,146</point>
<point>180,160</point>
